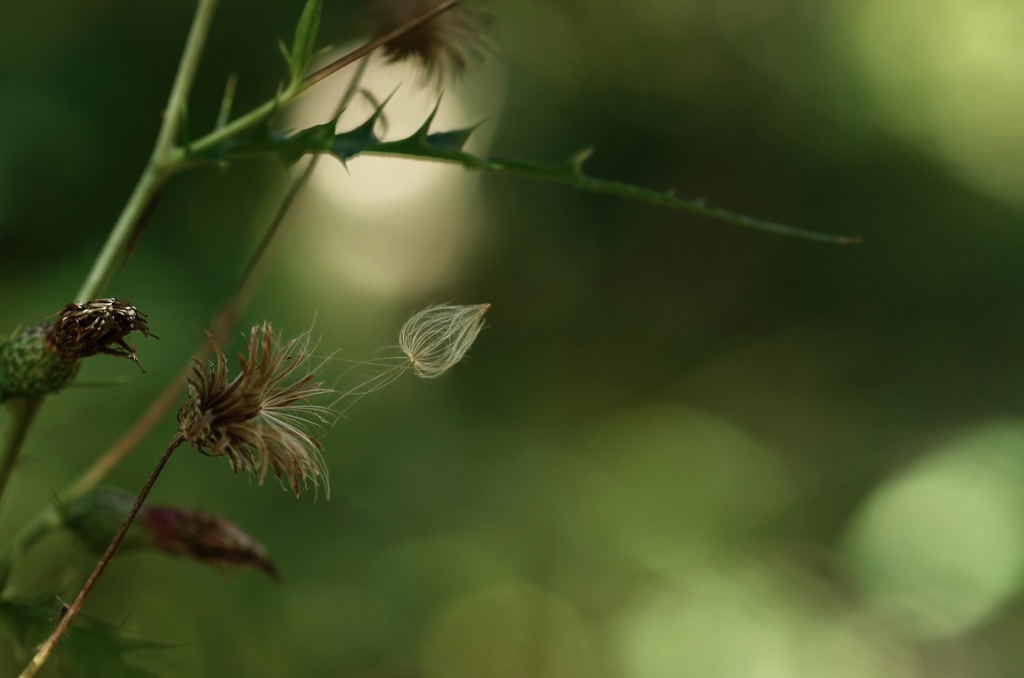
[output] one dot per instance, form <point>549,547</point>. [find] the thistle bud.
<point>43,359</point>
<point>30,366</point>
<point>201,535</point>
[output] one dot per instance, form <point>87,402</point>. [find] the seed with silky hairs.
<point>438,337</point>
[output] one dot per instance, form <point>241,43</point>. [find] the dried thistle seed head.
<point>442,45</point>
<point>30,366</point>
<point>98,326</point>
<point>437,338</point>
<point>262,419</point>
<point>210,538</point>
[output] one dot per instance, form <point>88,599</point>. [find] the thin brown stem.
<point>46,649</point>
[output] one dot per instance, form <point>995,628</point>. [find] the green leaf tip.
<point>305,38</point>
<point>580,157</point>
<point>227,100</point>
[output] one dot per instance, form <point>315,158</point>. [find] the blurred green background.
<point>680,449</point>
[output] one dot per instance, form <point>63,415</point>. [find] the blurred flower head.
<point>209,538</point>
<point>441,45</point>
<point>265,418</point>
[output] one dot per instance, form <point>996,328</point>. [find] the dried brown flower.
<point>98,326</point>
<point>261,419</point>
<point>442,45</point>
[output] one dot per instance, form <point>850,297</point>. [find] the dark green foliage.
<point>91,650</point>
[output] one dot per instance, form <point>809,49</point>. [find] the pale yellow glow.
<point>949,74</point>
<point>391,227</point>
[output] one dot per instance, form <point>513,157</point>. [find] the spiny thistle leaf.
<point>262,140</point>
<point>448,146</point>
<point>350,144</point>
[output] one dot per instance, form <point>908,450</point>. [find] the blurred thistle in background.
<point>441,46</point>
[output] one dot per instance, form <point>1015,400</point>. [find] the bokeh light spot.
<point>948,76</point>
<point>737,619</point>
<point>940,547</point>
<point>391,227</point>
<point>681,484</point>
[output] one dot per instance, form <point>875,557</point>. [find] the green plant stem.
<point>167,159</point>
<point>146,190</point>
<point>22,413</point>
<point>160,165</point>
<point>46,648</point>
<point>142,197</point>
<point>49,519</point>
